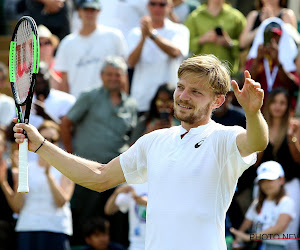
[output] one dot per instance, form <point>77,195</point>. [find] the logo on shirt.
<point>198,144</point>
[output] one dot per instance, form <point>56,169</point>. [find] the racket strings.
<point>24,60</point>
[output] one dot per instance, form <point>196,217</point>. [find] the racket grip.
<point>23,167</point>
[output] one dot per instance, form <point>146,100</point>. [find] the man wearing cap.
<point>271,58</point>
<point>80,55</point>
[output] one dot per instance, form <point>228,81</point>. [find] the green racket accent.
<point>35,59</point>
<point>12,52</point>
<point>38,53</point>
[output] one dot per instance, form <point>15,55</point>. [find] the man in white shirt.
<point>156,50</point>
<point>81,54</point>
<point>191,170</point>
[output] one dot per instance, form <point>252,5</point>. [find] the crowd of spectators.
<point>108,70</point>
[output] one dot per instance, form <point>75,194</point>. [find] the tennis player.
<point>192,169</point>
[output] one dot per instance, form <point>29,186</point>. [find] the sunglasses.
<point>45,43</point>
<point>52,140</point>
<point>158,4</point>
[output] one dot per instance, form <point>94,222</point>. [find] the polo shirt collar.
<point>197,130</point>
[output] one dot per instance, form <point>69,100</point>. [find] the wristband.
<point>40,145</point>
<point>153,34</point>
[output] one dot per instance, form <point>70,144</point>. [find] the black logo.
<point>198,144</point>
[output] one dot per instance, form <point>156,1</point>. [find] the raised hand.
<point>251,96</point>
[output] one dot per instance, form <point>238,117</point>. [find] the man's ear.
<point>219,100</point>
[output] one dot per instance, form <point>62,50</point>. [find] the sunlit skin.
<point>88,16</point>
<point>49,134</point>
<point>271,187</point>
<point>279,106</point>
<point>194,103</point>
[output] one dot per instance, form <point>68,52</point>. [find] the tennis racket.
<point>23,66</point>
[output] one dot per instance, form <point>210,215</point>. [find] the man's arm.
<point>66,128</point>
<point>250,97</point>
<point>89,174</point>
<point>64,83</point>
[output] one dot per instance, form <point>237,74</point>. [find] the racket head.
<point>24,62</point>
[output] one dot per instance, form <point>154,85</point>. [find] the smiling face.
<point>278,107</point>
<point>194,102</point>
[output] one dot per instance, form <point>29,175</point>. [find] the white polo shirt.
<point>191,183</point>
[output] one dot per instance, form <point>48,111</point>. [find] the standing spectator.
<point>80,55</point>
<point>54,14</point>
<point>48,45</point>
<point>7,104</point>
<point>111,113</point>
<point>156,50</point>
<point>220,34</point>
<point>272,212</point>
<point>271,58</point>
<point>132,199</point>
<point>8,177</point>
<point>265,9</point>
<point>45,220</point>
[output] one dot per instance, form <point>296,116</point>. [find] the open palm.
<point>251,96</point>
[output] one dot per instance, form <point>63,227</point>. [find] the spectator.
<point>132,199</point>
<point>271,58</point>
<point>48,46</point>
<point>284,146</point>
<point>44,220</point>
<point>80,55</point>
<point>263,11</point>
<point>220,34</point>
<point>155,49</point>
<point>111,113</point>
<point>160,114</point>
<point>96,235</point>
<point>271,214</point>
<point>8,177</point>
<point>181,9</point>
<point>7,104</point>
<point>54,14</point>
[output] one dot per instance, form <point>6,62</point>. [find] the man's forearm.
<point>167,47</point>
<point>257,132</point>
<point>89,174</point>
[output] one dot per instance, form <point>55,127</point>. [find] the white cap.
<point>269,170</point>
<point>43,31</point>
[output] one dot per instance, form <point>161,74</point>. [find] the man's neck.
<point>86,30</point>
<point>214,8</point>
<point>115,97</point>
<point>188,126</point>
<point>158,24</point>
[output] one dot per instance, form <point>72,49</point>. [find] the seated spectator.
<point>271,58</point>
<point>96,235</point>
<point>45,220</point>
<point>215,28</point>
<point>264,10</point>
<point>284,144</point>
<point>8,178</point>
<point>160,114</point>
<point>132,199</point>
<point>271,213</point>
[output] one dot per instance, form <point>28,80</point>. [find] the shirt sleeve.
<point>61,58</point>
<point>251,212</point>
<point>287,206</point>
<point>134,162</point>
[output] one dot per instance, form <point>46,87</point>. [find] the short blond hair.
<point>211,69</point>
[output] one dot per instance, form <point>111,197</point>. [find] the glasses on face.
<point>158,4</point>
<point>45,43</point>
<point>52,140</point>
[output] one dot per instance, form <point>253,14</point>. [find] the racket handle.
<point>23,167</point>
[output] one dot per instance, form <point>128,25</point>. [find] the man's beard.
<point>193,117</point>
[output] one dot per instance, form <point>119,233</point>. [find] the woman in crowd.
<point>264,10</point>
<point>45,220</point>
